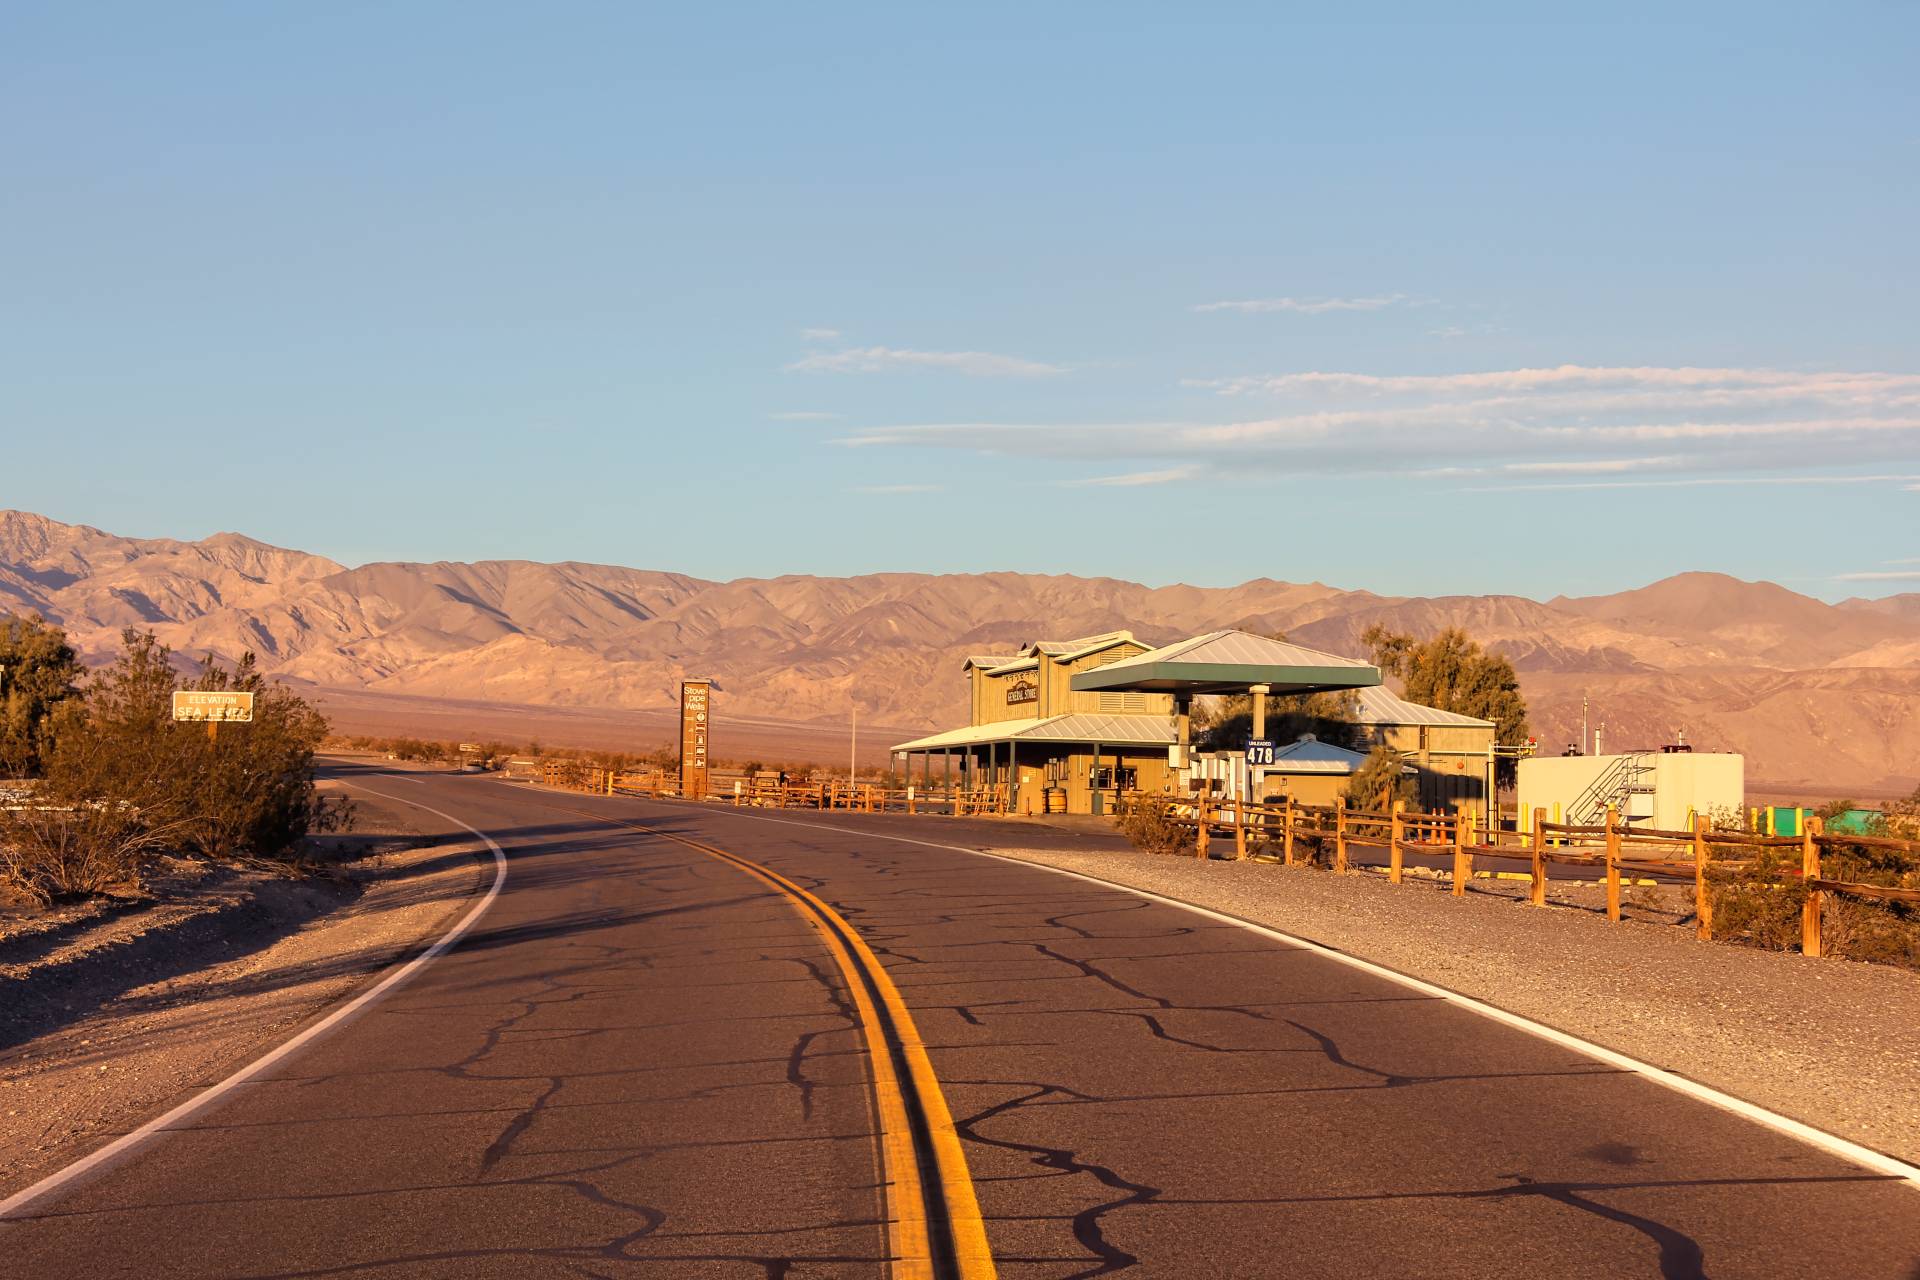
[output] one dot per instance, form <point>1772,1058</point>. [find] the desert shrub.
<point>1759,904</point>
<point>251,787</point>
<point>1148,825</point>
<point>1861,929</point>
<point>123,781</point>
<point>50,850</point>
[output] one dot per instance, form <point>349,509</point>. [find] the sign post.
<point>695,705</point>
<point>212,708</point>
<point>1259,756</point>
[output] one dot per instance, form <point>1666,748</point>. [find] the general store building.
<point>1067,725</point>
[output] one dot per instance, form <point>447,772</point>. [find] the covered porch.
<point>1074,763</point>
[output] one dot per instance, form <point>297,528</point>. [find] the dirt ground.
<point>112,1012</point>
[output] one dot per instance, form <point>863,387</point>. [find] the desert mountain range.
<point>1816,695</point>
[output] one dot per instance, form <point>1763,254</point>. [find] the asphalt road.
<point>644,1061</point>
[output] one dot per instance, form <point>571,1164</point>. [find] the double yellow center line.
<point>933,1219</point>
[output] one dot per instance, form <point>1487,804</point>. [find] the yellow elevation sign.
<point>194,704</point>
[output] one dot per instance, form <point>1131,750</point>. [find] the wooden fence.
<point>1616,852</point>
<point>834,794</point>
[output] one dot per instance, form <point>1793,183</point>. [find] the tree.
<point>1226,723</point>
<point>1381,779</point>
<point>256,780</point>
<point>38,673</point>
<point>1453,673</point>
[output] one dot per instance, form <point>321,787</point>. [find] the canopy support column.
<point>1257,774</point>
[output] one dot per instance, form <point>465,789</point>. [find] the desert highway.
<point>688,1041</point>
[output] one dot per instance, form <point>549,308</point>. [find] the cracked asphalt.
<point>643,1062</point>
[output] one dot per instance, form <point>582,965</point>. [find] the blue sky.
<point>1197,293</point>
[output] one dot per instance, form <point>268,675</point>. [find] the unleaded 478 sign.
<point>695,704</point>
<point>203,705</point>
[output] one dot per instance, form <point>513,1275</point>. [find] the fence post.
<point>1239,829</point>
<point>1396,831</point>
<point>1339,834</point>
<point>1613,863</point>
<point>1810,870</point>
<point>1537,893</point>
<point>609,782</point>
<point>1200,828</point>
<point>1462,860</point>
<point>1286,832</point>
<point>1702,895</point>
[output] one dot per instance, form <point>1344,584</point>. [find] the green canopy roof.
<point>1229,662</point>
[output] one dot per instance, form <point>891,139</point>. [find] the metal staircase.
<point>1625,778</point>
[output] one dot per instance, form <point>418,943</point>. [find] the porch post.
<point>1013,776</point>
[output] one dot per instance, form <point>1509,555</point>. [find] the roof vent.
<point>1309,737</point>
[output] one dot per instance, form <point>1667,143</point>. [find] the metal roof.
<point>988,660</point>
<point>1380,705</point>
<point>1310,755</point>
<point>1228,662</point>
<point>1012,665</point>
<point>1082,727</point>
<point>1067,650</point>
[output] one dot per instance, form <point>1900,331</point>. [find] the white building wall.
<point>1682,782</point>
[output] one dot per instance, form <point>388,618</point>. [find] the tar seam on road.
<point>1831,1143</point>
<point>934,1225</point>
<point>12,1205</point>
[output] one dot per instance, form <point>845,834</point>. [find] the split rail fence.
<point>1616,852</point>
<point>833,794</point>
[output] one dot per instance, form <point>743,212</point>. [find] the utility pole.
<point>853,744</point>
<point>1583,726</point>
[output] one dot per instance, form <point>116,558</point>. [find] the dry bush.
<point>1761,904</point>
<point>1150,828</point>
<point>123,781</point>
<point>55,851</point>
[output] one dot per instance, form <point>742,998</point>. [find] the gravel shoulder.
<point>1831,1043</point>
<point>111,1013</point>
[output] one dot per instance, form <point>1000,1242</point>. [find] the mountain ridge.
<point>1813,693</point>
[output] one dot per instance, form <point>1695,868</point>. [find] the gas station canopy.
<point>1229,662</point>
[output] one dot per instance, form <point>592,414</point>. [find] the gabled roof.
<point>987,661</point>
<point>1012,665</point>
<point>1228,662</point>
<point>1380,705</point>
<point>1310,755</point>
<point>1067,650</point>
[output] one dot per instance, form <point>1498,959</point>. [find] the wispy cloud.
<point>975,364</point>
<point>1597,426</point>
<point>1697,482</point>
<point>819,335</point>
<point>804,415</point>
<point>1894,575</point>
<point>1134,479</point>
<point>895,488</point>
<point>1308,306</point>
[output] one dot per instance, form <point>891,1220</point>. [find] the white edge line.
<point>127,1142</point>
<point>1831,1143</point>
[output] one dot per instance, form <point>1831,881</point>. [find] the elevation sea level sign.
<point>696,702</point>
<point>209,705</point>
